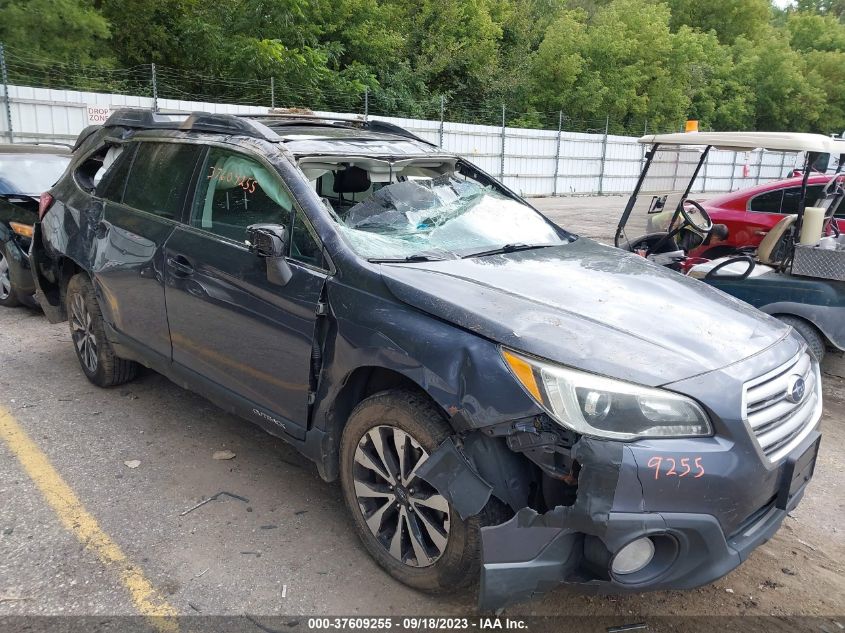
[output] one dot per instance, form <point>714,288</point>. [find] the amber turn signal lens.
<point>24,230</point>
<point>524,373</point>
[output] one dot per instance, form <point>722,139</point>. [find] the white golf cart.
<point>796,274</point>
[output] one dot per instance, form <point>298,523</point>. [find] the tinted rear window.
<point>30,174</point>
<point>767,202</point>
<point>792,198</point>
<point>160,176</point>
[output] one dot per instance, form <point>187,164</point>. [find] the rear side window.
<point>768,202</point>
<point>792,198</point>
<point>116,164</point>
<point>160,176</point>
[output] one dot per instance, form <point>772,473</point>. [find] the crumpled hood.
<point>591,307</point>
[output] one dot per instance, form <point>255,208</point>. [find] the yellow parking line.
<point>83,525</point>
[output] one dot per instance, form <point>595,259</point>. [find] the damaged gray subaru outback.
<point>503,401</point>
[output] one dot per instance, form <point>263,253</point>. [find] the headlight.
<point>594,405</point>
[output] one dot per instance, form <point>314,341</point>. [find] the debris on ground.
<point>624,628</point>
<point>223,455</point>
<point>132,463</point>
<point>214,498</point>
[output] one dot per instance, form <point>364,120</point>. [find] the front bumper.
<point>531,553</point>
<point>20,272</point>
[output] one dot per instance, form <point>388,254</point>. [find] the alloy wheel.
<point>5,279</point>
<point>81,326</point>
<point>408,517</point>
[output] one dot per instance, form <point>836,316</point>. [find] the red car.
<point>751,213</point>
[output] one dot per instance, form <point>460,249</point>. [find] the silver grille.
<point>778,423</point>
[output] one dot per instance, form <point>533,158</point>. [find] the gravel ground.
<point>290,549</point>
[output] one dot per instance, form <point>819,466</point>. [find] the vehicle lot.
<point>288,547</point>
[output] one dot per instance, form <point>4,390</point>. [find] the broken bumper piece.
<point>528,555</point>
<point>581,544</point>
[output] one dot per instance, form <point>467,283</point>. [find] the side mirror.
<point>270,241</point>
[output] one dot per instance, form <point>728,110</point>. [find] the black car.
<point>499,398</point>
<point>25,172</point>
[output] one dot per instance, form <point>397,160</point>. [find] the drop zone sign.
<point>97,115</point>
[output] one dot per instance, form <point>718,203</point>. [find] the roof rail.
<point>373,125</point>
<point>193,122</point>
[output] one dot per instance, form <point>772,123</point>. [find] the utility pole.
<point>366,102</point>
<point>272,93</point>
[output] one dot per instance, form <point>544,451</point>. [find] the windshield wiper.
<point>507,248</point>
<point>409,258</point>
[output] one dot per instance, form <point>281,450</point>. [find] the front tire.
<point>8,296</point>
<point>809,333</point>
<point>96,357</point>
<point>404,523</point>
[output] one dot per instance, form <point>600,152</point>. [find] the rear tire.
<point>8,296</point>
<point>96,357</point>
<point>808,331</point>
<point>406,419</point>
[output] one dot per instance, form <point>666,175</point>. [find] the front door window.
<point>236,191</point>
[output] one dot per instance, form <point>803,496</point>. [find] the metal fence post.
<point>782,165</point>
<point>557,151</point>
<point>704,184</point>
<point>603,154</point>
<point>502,163</point>
<point>442,118</point>
<point>643,150</point>
<point>733,171</point>
<point>155,88</point>
<point>272,93</point>
<point>4,75</point>
<point>366,102</point>
<point>759,167</point>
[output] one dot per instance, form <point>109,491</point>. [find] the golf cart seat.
<point>768,257</point>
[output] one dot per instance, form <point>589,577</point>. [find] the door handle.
<point>181,265</point>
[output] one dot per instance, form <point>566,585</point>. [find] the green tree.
<point>785,98</point>
<point>728,19</point>
<point>824,7</point>
<point>706,74</point>
<point>64,30</point>
<point>827,76</point>
<point>814,32</point>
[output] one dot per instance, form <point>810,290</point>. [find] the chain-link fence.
<point>534,153</point>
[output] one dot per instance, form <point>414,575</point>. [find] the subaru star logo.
<point>795,390</point>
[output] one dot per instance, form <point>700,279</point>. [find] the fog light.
<point>633,557</point>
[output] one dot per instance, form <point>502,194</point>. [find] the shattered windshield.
<point>445,216</point>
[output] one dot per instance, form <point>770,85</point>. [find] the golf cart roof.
<point>745,141</point>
